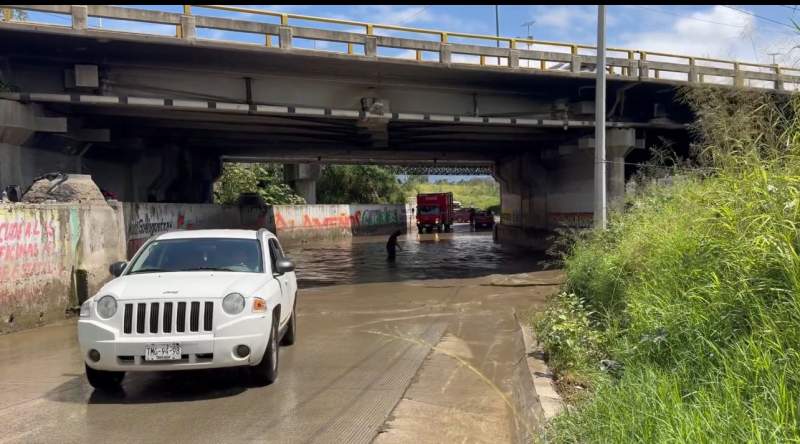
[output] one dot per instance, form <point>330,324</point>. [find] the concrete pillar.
<point>644,70</point>
<point>524,199</point>
<point>371,46</point>
<point>10,166</point>
<point>513,58</point>
<point>778,78</point>
<point>80,17</point>
<point>619,143</point>
<point>188,28</point>
<point>633,68</point>
<point>303,179</point>
<point>444,53</point>
<point>285,37</point>
<point>575,64</point>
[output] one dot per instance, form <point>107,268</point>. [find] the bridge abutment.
<point>554,187</point>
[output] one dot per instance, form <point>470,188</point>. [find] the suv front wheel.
<point>266,372</point>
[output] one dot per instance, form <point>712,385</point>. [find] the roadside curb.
<point>534,394</point>
<point>543,380</point>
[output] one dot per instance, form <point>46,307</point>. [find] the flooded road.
<point>422,351</point>
<point>459,254</point>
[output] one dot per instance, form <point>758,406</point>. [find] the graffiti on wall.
<point>289,222</point>
<point>144,227</point>
<point>384,216</point>
<point>29,246</point>
<point>317,217</point>
<point>572,220</point>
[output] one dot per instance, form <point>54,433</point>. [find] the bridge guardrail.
<point>550,57</point>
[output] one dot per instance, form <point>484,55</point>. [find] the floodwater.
<point>459,254</point>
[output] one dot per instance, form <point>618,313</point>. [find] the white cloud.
<point>698,35</point>
<point>717,32</point>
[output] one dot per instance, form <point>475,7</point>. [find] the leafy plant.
<point>264,179</point>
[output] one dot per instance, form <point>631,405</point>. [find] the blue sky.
<point>749,33</point>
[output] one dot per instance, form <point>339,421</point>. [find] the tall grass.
<point>691,299</point>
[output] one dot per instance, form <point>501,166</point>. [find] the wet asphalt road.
<point>385,353</point>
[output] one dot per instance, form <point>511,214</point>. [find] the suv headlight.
<point>233,304</point>
<point>106,306</point>
<point>86,308</point>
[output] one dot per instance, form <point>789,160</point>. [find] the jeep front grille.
<point>160,317</point>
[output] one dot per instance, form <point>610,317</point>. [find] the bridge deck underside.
<point>312,139</point>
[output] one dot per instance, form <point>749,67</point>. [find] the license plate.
<point>162,352</point>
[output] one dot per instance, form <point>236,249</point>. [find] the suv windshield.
<point>242,255</point>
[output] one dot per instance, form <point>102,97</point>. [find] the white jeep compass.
<point>192,300</point>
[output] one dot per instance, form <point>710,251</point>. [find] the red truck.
<point>434,210</point>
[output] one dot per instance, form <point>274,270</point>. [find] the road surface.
<point>386,353</point>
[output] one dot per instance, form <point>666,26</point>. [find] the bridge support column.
<point>620,142</point>
<point>523,196</point>
<point>303,179</point>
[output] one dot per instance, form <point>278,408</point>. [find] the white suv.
<point>192,300</point>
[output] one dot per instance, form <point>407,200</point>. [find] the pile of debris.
<point>60,187</point>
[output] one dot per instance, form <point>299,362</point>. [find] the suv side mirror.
<point>117,268</point>
<point>284,266</point>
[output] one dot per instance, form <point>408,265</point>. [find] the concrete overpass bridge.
<point>152,116</point>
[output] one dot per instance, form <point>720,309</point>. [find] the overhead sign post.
<point>600,201</point>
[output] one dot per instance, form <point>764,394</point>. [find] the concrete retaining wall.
<point>53,255</point>
<point>297,223</point>
<point>291,223</point>
<point>143,220</point>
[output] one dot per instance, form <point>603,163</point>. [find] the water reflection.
<point>461,254</point>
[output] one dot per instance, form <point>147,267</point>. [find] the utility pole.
<point>773,54</point>
<point>497,27</point>
<point>600,124</point>
<point>530,36</point>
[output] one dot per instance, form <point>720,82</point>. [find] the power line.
<point>688,16</point>
<point>758,16</point>
<point>415,15</point>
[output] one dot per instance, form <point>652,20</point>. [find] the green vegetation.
<point>362,184</point>
<point>681,322</point>
<point>479,193</point>
<point>262,178</point>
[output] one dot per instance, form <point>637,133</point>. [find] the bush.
<point>695,292</point>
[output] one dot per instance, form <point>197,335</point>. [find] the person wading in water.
<point>392,245</point>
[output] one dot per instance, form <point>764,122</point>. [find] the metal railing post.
<point>692,71</point>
